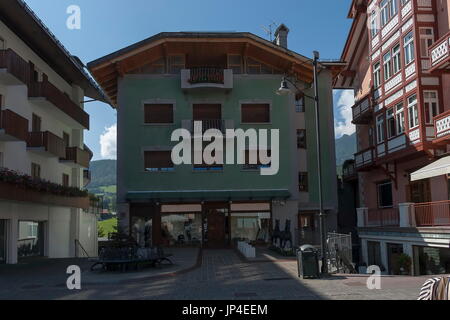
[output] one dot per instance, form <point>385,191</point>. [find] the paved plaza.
<point>219,275</point>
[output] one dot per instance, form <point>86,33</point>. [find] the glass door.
<point>2,241</point>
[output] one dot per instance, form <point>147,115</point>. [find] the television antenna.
<point>269,30</point>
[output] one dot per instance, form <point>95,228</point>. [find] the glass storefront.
<point>141,231</point>
<point>250,227</point>
<point>181,229</point>
<point>2,241</point>
<point>432,261</point>
<point>31,239</point>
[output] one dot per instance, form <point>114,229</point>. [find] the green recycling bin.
<point>308,262</point>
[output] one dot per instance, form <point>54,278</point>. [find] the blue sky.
<point>108,25</point>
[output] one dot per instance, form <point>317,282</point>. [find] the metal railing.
<point>207,75</point>
<point>387,217</point>
<point>432,214</point>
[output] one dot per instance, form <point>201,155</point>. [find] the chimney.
<point>281,36</point>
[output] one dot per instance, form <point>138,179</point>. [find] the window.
<point>380,129</point>
<point>66,138</point>
<point>385,199</point>
<point>409,48</point>
<point>2,44</point>
<point>158,113</point>
<point>426,41</point>
<point>396,60</point>
<point>176,64</point>
<point>393,10</point>
<point>301,139</point>
<point>158,161</point>
<point>390,119</point>
<point>303,182</point>
<point>384,8</point>
<point>431,104</point>
<point>387,66</point>
<point>255,113</point>
<point>300,103</point>
<point>373,23</point>
<point>65,180</point>
<point>36,123</point>
<point>376,75</point>
<point>400,118</point>
<point>413,112</point>
<point>35,170</point>
<point>235,63</point>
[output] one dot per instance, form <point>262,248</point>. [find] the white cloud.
<point>343,118</point>
<point>108,143</point>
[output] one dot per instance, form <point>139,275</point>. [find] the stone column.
<point>407,216</point>
<point>362,213</point>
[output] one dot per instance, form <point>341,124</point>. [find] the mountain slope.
<point>345,148</point>
<point>103,174</point>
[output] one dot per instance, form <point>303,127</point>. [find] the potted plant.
<point>404,263</point>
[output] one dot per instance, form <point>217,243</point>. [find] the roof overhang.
<point>31,30</point>
<point>438,168</point>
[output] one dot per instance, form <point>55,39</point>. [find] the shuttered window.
<point>255,113</point>
<point>303,182</point>
<point>207,112</point>
<point>158,161</point>
<point>158,113</point>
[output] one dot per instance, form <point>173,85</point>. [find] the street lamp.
<point>285,90</point>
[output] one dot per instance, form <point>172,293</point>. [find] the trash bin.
<point>308,262</point>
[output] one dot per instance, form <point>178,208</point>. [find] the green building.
<point>223,81</point>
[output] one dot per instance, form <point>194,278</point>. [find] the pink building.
<point>399,67</point>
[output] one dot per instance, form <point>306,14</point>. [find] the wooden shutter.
<point>158,159</point>
<point>158,113</point>
<point>36,123</point>
<point>207,112</point>
<point>255,113</point>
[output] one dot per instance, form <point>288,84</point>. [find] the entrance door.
<point>394,251</point>
<point>2,241</point>
<point>216,227</point>
<point>419,191</point>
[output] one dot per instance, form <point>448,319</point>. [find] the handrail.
<point>78,244</point>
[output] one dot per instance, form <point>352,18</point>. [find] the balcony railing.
<point>207,77</point>
<point>204,125</point>
<point>47,90</point>
<point>50,143</point>
<point>13,126</point>
<point>15,65</point>
<point>364,158</point>
<point>389,217</point>
<point>349,171</point>
<point>77,156</point>
<point>442,126</point>
<point>433,214</point>
<point>440,53</point>
<point>362,111</point>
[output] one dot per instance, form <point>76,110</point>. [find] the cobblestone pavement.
<point>224,276</point>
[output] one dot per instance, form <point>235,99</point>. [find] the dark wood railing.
<point>47,90</point>
<point>14,125</point>
<point>15,65</point>
<point>47,140</point>
<point>77,155</point>
<point>207,75</point>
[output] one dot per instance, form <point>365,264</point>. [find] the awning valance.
<point>216,195</point>
<point>438,168</point>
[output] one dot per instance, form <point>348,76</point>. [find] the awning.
<point>438,168</point>
<point>216,195</point>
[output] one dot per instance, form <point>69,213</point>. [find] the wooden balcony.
<point>12,126</point>
<point>439,54</point>
<point>349,172</point>
<point>433,214</point>
<point>13,69</point>
<point>47,95</point>
<point>363,111</point>
<point>46,144</point>
<point>76,157</point>
<point>442,128</point>
<point>206,77</point>
<point>388,217</point>
<point>365,159</point>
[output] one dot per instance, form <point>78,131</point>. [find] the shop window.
<point>250,226</point>
<point>181,229</point>
<point>142,231</point>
